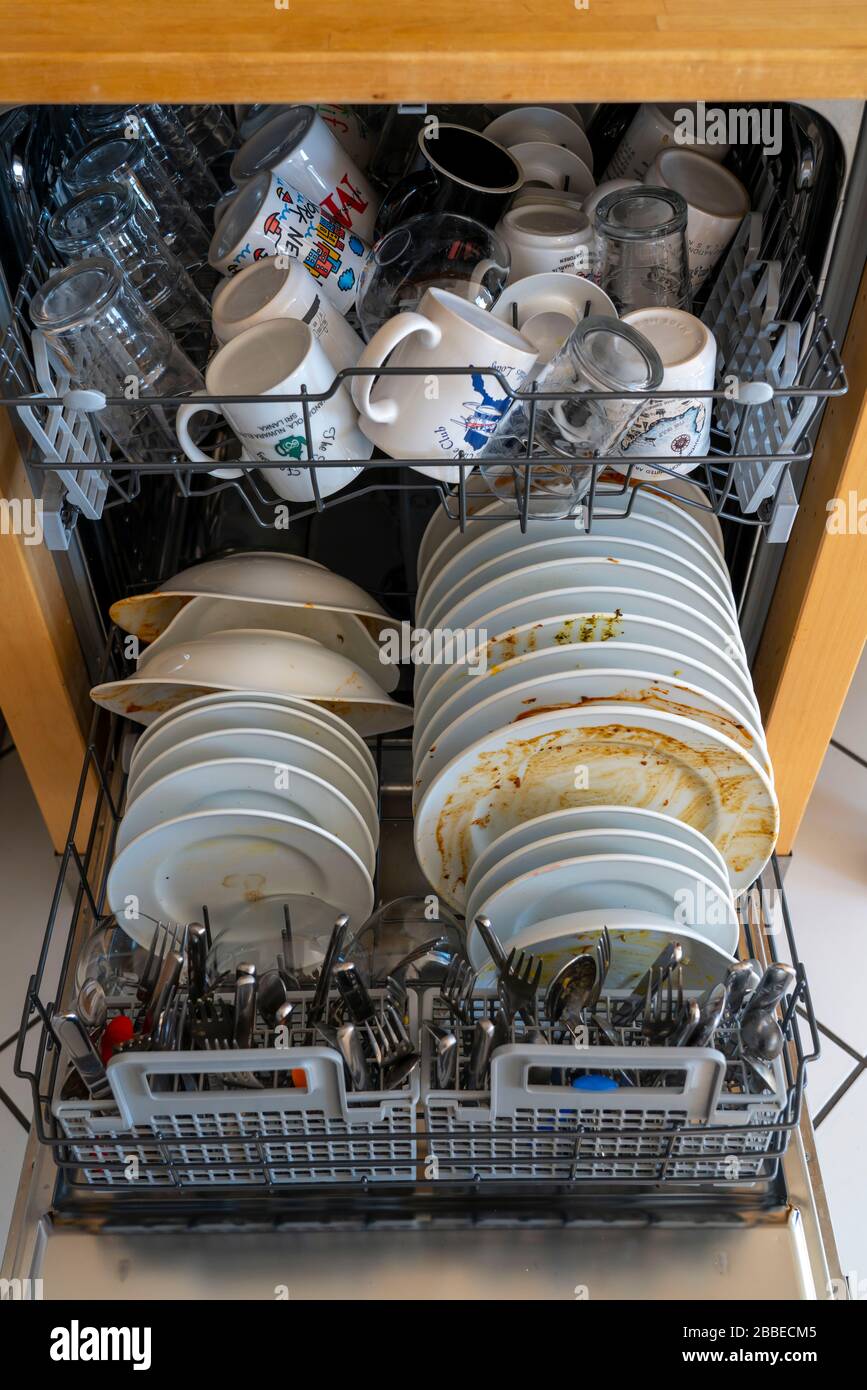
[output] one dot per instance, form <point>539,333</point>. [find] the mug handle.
<point>193,452</point>
<point>397,205</point>
<point>383,342</point>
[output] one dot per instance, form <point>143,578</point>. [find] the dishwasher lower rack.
<point>777,363</point>
<point>414,1140</point>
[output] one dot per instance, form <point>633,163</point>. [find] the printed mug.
<point>430,416</point>
<point>673,430</point>
<point>268,217</point>
<point>276,358</point>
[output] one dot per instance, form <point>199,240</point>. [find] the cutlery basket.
<point>167,1128</point>
<point>687,1116</point>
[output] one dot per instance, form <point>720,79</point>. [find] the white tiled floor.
<point>826,886</point>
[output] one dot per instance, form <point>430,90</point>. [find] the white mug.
<point>717,203</point>
<point>268,217</point>
<point>546,236</point>
<point>276,358</point>
<point>675,430</point>
<point>298,146</point>
<point>270,289</point>
<point>347,126</point>
<point>655,128</point>
<point>601,191</point>
<point>430,416</point>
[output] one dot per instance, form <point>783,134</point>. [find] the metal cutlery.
<point>74,1040</point>
<point>519,986</point>
<point>457,989</point>
<point>350,1047</point>
<point>316,1010</point>
<point>480,1053</point>
<point>353,991</point>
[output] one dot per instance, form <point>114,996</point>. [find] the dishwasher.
<point>399,1195</point>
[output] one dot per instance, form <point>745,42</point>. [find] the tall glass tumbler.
<point>112,159</point>
<point>210,130</point>
<point>165,136</point>
<point>109,341</point>
<point>107,220</point>
<point>602,355</point>
<point>641,252</point>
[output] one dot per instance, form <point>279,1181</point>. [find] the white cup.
<point>717,203</point>
<point>298,146</point>
<point>602,190</point>
<point>675,430</point>
<point>431,416</point>
<point>271,290</point>
<point>546,236</point>
<point>268,217</point>
<point>277,358</point>
<point>347,126</point>
<point>655,128</point>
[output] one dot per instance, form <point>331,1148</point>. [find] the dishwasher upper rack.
<point>83,873</point>
<point>744,477</point>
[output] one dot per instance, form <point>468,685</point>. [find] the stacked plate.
<point>604,672</point>
<point>239,803</point>
<point>258,621</point>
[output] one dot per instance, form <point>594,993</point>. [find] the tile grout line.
<point>832,1037</point>
<point>839,1094</point>
<point>841,748</point>
<point>14,1111</point>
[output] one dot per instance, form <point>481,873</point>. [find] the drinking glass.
<point>210,130</point>
<point>112,159</point>
<point>641,251</point>
<point>601,355</point>
<point>107,220</point>
<point>164,134</point>
<point>109,341</point>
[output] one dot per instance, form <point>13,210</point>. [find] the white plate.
<point>567,631</point>
<point>494,538</point>
<point>527,580</point>
<point>576,675</point>
<point>246,659</point>
<point>636,882</point>
<point>553,166</point>
<point>582,844</point>
<point>271,713</point>
<point>280,750</point>
<point>240,865</point>
<point>540,123</point>
<point>247,784</point>
<point>337,632</point>
<point>636,942</point>
<point>446,590</point>
<point>583,757</point>
<point>257,576</point>
<point>606,612</point>
<point>694,503</point>
<point>609,514</point>
<point>629,688</point>
<point>631,819</point>
<point>547,308</point>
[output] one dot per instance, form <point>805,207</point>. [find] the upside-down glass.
<point>107,220</point>
<point>641,252</point>
<point>210,130</point>
<point>601,355</point>
<point>112,159</point>
<point>445,250</point>
<point>109,341</point>
<point>165,136</point>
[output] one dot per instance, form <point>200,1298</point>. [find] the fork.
<point>519,986</point>
<point>457,988</point>
<point>663,1004</point>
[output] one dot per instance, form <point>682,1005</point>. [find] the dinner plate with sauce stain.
<point>614,754</point>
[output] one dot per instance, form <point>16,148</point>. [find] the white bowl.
<point>260,576</point>
<point>553,166</point>
<point>548,306</point>
<point>249,659</point>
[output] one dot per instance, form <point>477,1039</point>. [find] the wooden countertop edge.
<point>660,73</point>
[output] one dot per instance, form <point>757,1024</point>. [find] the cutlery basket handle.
<point>140,1106</point>
<point>515,1090</point>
